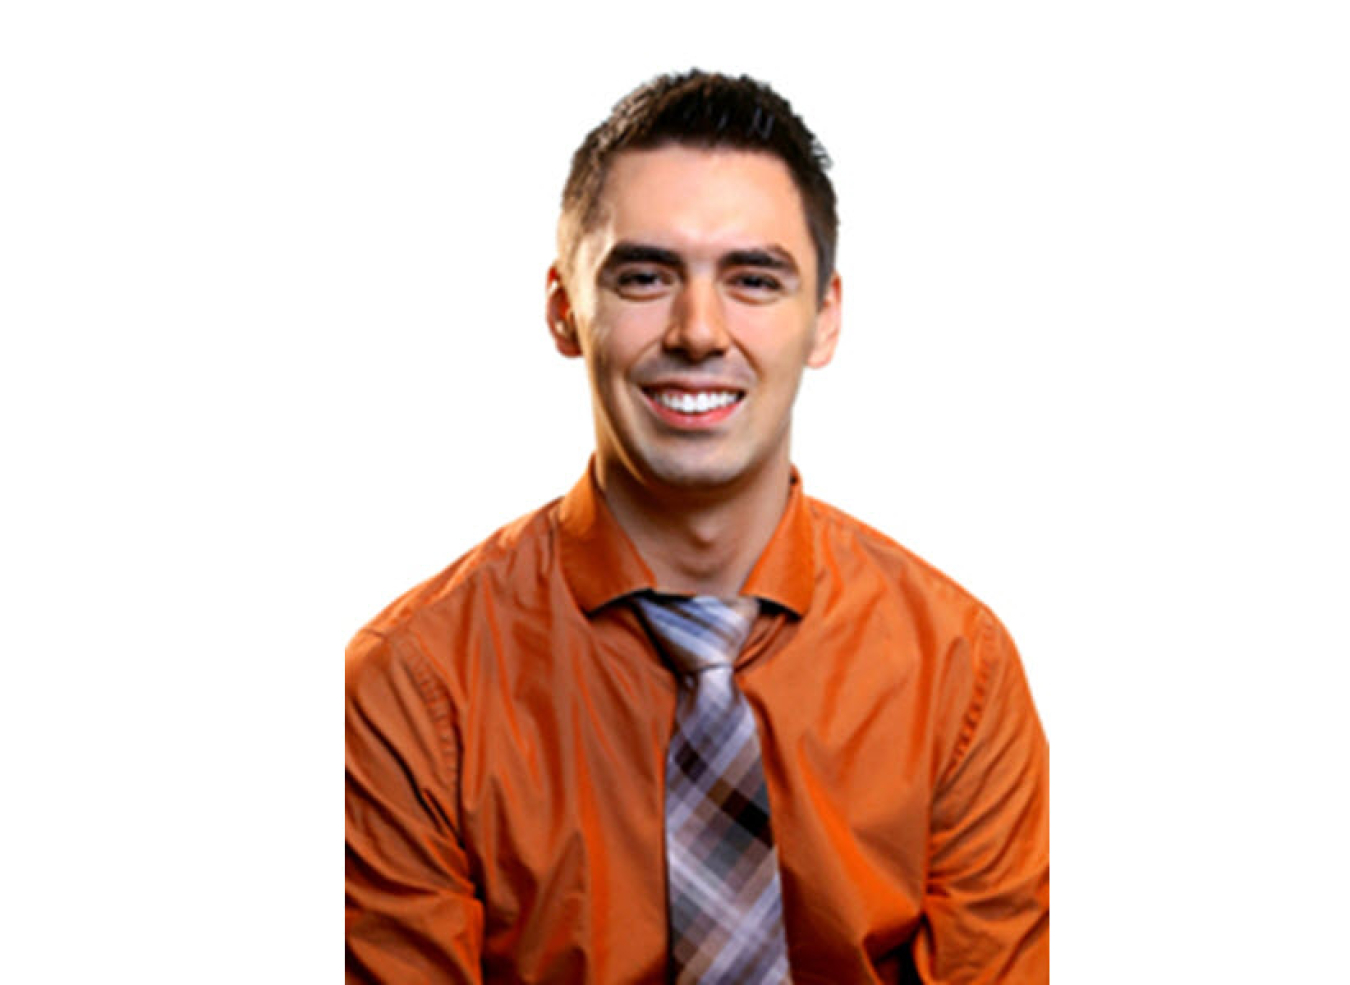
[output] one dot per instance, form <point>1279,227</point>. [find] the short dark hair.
<point>703,109</point>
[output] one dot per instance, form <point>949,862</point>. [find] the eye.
<point>758,282</point>
<point>641,282</point>
<point>756,285</point>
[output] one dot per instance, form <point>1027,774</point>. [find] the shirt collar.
<point>599,561</point>
<point>785,573</point>
<point>601,564</point>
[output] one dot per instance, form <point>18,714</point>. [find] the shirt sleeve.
<point>987,897</point>
<point>412,914</point>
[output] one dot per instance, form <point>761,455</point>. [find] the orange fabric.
<point>507,724</point>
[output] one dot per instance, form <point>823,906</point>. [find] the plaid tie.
<point>726,904</point>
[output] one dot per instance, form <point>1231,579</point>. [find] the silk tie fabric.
<point>725,897</point>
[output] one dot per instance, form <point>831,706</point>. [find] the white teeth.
<point>691,403</point>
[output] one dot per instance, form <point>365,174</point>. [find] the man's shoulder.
<point>861,552</point>
<point>507,561</point>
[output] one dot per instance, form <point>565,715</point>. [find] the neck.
<point>698,542</point>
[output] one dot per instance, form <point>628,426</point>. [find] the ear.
<point>562,324</point>
<point>827,325</point>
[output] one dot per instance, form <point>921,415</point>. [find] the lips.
<point>695,403</point>
<point>687,406</point>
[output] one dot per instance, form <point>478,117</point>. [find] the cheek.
<point>776,344</point>
<point>621,333</point>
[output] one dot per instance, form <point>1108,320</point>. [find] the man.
<point>686,723</point>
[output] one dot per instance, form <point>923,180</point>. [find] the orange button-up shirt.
<point>507,724</point>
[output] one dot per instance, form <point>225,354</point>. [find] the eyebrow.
<point>769,258</point>
<point>642,253</point>
<point>772,258</point>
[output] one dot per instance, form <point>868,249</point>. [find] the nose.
<point>698,326</point>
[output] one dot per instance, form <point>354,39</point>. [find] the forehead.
<point>700,198</point>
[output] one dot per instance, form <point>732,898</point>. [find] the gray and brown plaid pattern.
<point>726,903</point>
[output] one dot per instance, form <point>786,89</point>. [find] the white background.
<point>271,281</point>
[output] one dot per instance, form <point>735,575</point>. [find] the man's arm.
<point>412,915</point>
<point>987,899</point>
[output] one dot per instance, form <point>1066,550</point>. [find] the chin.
<point>680,472</point>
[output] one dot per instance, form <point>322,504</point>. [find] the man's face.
<point>693,299</point>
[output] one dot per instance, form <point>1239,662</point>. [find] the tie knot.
<point>698,632</point>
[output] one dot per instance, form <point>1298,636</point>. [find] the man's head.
<point>700,109</point>
<point>690,282</point>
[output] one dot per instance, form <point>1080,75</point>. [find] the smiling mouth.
<point>694,402</point>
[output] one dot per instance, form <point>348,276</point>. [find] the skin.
<point>699,275</point>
